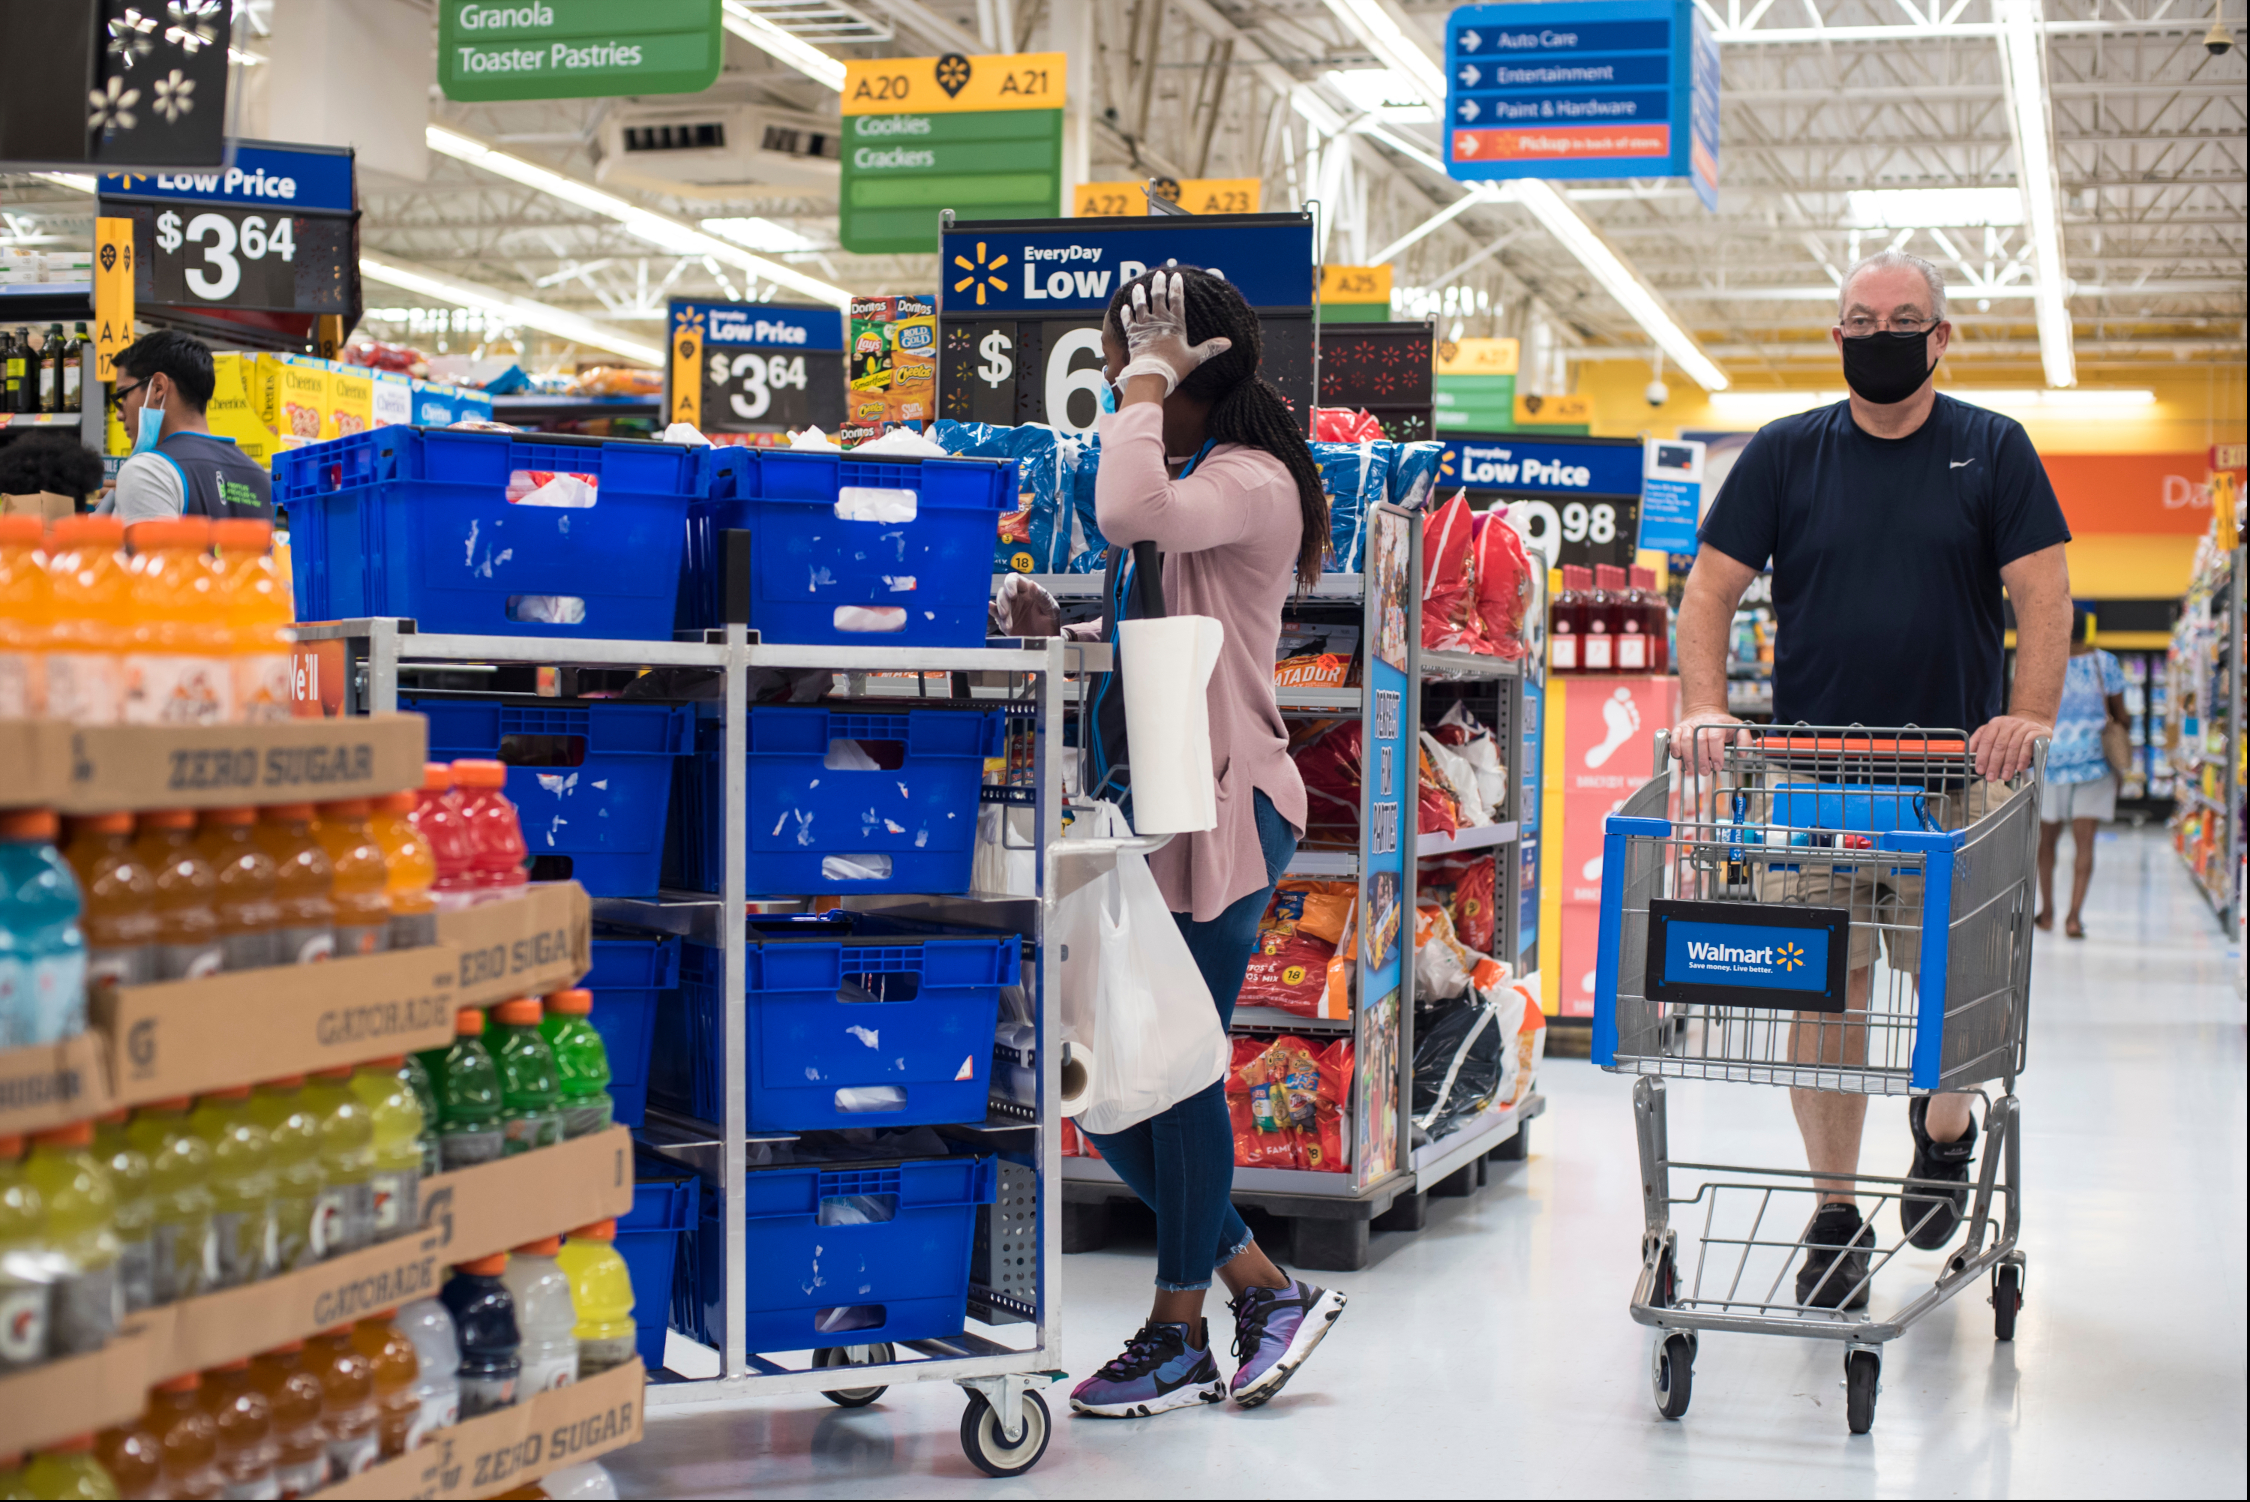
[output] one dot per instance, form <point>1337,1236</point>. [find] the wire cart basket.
<point>1833,909</point>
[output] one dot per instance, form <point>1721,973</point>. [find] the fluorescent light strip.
<point>77,182</point>
<point>793,50</point>
<point>518,310</point>
<point>2035,165</point>
<point>1375,27</point>
<point>1619,280</point>
<point>663,230</point>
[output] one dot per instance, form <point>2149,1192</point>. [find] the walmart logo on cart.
<point>1744,955</point>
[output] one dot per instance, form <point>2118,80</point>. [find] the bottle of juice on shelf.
<point>467,1082</point>
<point>244,1418</point>
<point>179,663</point>
<point>303,884</point>
<point>398,1407</point>
<point>242,1223</point>
<point>345,1218</point>
<point>68,1468</point>
<point>293,1392</point>
<point>92,594</point>
<point>27,617</point>
<point>530,1095</point>
<point>409,872</point>
<point>189,1437</point>
<point>293,1132</point>
<point>428,1325</point>
<point>42,947</point>
<point>187,889</point>
<point>581,1061</point>
<point>119,915</point>
<point>397,1116</point>
<point>133,1455</point>
<point>185,1249</point>
<point>495,833</point>
<point>601,1290</point>
<point>135,1225</point>
<point>347,1401</point>
<point>258,611</point>
<point>417,1077</point>
<point>248,916</point>
<point>83,1302</point>
<point>1605,613</point>
<point>546,1320</point>
<point>1656,618</point>
<point>437,817</point>
<point>363,906</point>
<point>1566,622</point>
<point>23,1283</point>
<point>484,1318</point>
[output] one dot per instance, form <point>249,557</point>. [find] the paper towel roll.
<point>1077,1077</point>
<point>1168,664</point>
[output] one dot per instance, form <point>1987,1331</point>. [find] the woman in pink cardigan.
<point>1204,458</point>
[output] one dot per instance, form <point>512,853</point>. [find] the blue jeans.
<point>1181,1160</point>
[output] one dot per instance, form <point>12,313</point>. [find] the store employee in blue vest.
<point>178,466</point>
<point>1892,521</point>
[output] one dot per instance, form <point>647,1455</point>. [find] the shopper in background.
<point>178,466</point>
<point>1892,521</point>
<point>2081,788</point>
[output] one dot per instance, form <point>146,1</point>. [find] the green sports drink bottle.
<point>530,1094</point>
<point>467,1084</point>
<point>581,1061</point>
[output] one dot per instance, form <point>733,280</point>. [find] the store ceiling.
<point>1822,100</point>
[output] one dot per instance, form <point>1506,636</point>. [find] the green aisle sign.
<point>979,134</point>
<point>576,49</point>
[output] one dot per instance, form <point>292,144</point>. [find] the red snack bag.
<point>1474,880</point>
<point>1329,762</point>
<point>1435,810</point>
<point>1333,1109</point>
<point>1448,575</point>
<point>1296,939</point>
<point>1502,584</point>
<point>1261,1130</point>
<point>1342,425</point>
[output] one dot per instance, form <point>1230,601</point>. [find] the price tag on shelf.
<point>756,368</point>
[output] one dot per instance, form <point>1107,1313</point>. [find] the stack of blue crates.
<point>630,972</point>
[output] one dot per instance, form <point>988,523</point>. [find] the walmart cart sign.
<point>995,267</point>
<point>1789,957</point>
<point>782,328</point>
<point>1557,468</point>
<point>1740,954</point>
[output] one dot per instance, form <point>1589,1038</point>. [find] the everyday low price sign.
<point>576,49</point>
<point>750,367</point>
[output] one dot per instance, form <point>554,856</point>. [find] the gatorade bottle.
<point>397,1116</point>
<point>242,1224</point>
<point>293,1133</point>
<point>119,916</point>
<point>244,1419</point>
<point>258,611</point>
<point>363,908</point>
<point>345,1218</point>
<point>190,1439</point>
<point>83,1302</point>
<point>293,1394</point>
<point>179,663</point>
<point>185,1252</point>
<point>409,872</point>
<point>581,1061</point>
<point>27,617</point>
<point>23,1282</point>
<point>546,1320</point>
<point>91,588</point>
<point>135,1226</point>
<point>467,1083</point>
<point>187,922</point>
<point>347,1401</point>
<point>69,1469</point>
<point>428,1326</point>
<point>425,1095</point>
<point>495,835</point>
<point>484,1315</point>
<point>247,913</point>
<point>398,1409</point>
<point>437,817</point>
<point>42,948</point>
<point>587,1481</point>
<point>133,1456</point>
<point>529,1091</point>
<point>601,1290</point>
<point>303,886</point>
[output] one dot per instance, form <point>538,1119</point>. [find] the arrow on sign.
<point>1469,110</point>
<point>1470,41</point>
<point>1469,75</point>
<point>1464,144</point>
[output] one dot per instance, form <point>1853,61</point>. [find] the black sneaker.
<point>1930,1218</point>
<point>1157,1371</point>
<point>1835,1279</point>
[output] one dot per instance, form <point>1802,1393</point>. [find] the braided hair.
<point>1245,407</point>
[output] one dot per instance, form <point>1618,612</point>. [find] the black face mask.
<point>1887,367</point>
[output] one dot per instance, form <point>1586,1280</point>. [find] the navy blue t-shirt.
<point>1886,557</point>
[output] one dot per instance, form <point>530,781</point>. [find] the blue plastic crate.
<point>410,522</point>
<point>605,814</point>
<point>917,812</point>
<point>666,1208</point>
<point>810,564</point>
<point>630,971</point>
<point>822,1277</point>
<point>918,1026</point>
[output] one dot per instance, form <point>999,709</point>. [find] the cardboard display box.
<point>526,946</point>
<point>89,769</point>
<point>75,1395</point>
<point>44,504</point>
<point>497,1452</point>
<point>54,1083</point>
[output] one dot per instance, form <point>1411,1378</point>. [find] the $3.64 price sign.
<point>223,241</point>
<point>746,389</point>
<point>220,255</point>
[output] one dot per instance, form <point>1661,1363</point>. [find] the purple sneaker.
<point>1275,1329</point>
<point>1158,1370</point>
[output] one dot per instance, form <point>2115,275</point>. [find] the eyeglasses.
<point>117,397</point>
<point>1860,326</point>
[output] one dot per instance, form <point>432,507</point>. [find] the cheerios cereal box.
<point>351,402</point>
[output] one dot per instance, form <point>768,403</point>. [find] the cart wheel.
<point>1863,1372</point>
<point>1672,1373</point>
<point>2007,1298</point>
<point>875,1355</point>
<point>988,1449</point>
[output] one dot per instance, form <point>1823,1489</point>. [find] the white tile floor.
<point>1492,1355</point>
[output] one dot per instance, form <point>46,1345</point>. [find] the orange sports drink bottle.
<point>359,877</point>
<point>179,666</point>
<point>409,871</point>
<point>27,617</point>
<point>304,884</point>
<point>254,598</point>
<point>92,591</point>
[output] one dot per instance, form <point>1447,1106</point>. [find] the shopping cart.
<point>1742,888</point>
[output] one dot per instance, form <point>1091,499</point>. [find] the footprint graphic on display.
<point>1623,718</point>
<point>1593,868</point>
<point>1587,985</point>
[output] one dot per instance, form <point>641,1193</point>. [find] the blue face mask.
<point>151,428</point>
<point>1106,394</point>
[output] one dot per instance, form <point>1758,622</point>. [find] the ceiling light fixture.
<point>517,310</point>
<point>1620,281</point>
<point>789,48</point>
<point>2021,63</point>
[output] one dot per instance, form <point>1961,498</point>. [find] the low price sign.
<point>981,135</point>
<point>577,49</point>
<point>754,368</point>
<point>272,231</point>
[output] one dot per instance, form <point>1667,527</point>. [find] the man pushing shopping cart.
<point>1839,909</point>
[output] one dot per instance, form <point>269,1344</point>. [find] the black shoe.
<point>1835,1279</point>
<point>1928,1217</point>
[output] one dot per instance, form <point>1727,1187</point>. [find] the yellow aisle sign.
<point>1535,411</point>
<point>1477,356</point>
<point>954,84</point>
<point>113,295</point>
<point>1355,283</point>
<point>1198,195</point>
<point>687,366</point>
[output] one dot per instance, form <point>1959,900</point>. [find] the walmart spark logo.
<point>981,274</point>
<point>1789,957</point>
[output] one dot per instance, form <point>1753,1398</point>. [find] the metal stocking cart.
<point>1735,903</point>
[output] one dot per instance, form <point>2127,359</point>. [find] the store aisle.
<point>1492,1354</point>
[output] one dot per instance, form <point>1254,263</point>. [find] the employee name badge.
<point>1790,959</point>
